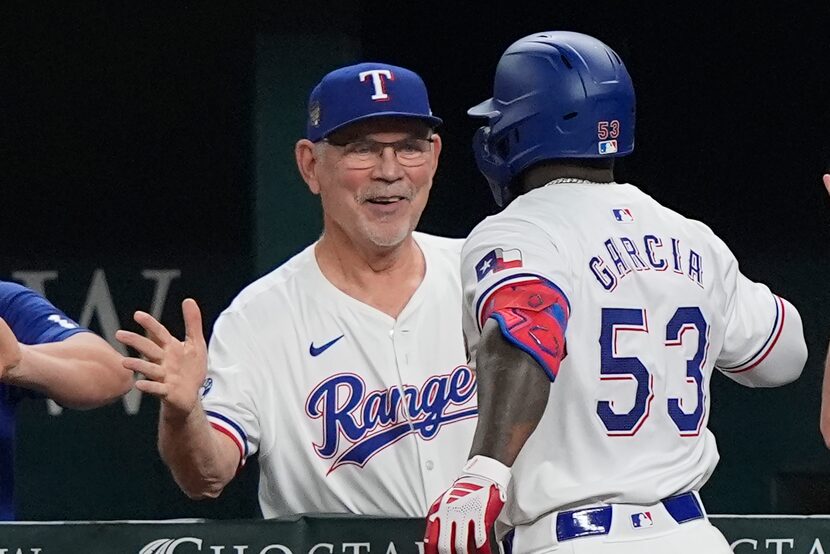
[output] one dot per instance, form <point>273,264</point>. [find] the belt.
<point>597,521</point>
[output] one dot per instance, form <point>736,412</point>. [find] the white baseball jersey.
<point>656,302</point>
<point>351,410</point>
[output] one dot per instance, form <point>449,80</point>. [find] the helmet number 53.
<point>608,129</point>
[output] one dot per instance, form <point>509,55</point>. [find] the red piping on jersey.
<point>772,345</point>
<point>233,438</point>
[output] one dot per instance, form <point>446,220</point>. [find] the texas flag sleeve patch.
<point>498,260</point>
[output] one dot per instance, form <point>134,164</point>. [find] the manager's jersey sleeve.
<point>764,340</point>
<point>229,392</point>
<point>504,257</point>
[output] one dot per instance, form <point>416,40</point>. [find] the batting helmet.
<point>555,95</point>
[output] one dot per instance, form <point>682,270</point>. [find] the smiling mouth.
<point>382,200</point>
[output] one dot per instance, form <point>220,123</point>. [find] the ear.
<point>436,152</point>
<point>307,164</point>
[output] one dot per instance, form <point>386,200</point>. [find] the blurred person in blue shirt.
<point>43,353</point>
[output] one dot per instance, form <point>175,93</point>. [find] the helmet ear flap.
<point>491,161</point>
<point>496,150</point>
<point>501,147</point>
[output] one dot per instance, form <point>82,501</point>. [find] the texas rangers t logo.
<point>378,83</point>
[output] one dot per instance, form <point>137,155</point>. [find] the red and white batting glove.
<point>459,522</point>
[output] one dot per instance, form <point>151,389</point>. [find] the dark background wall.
<point>138,138</point>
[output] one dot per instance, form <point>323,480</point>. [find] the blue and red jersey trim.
<point>228,427</point>
<point>769,343</point>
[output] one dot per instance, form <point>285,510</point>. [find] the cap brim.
<point>431,120</point>
<point>487,108</point>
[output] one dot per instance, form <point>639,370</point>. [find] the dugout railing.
<point>339,535</point>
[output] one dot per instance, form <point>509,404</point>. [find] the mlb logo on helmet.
<point>363,91</point>
<point>642,519</point>
<point>608,147</point>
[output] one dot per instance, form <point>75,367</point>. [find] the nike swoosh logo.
<point>317,350</point>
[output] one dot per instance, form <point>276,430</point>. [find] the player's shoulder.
<point>276,287</point>
<point>512,221</point>
<point>693,226</point>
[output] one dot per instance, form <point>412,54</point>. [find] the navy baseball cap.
<point>363,91</point>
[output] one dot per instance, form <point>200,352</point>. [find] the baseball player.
<point>44,353</point>
<point>345,368</point>
<point>597,317</point>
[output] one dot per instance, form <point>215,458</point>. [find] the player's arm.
<point>512,394</point>
<point>203,460</point>
<point>782,356</point>
<point>80,371</point>
<point>522,344</point>
<point>764,344</point>
<point>43,350</point>
<point>523,319</point>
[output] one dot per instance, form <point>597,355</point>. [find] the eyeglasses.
<point>366,153</point>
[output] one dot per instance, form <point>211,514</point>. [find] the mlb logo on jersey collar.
<point>641,520</point>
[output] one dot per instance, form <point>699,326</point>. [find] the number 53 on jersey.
<point>614,367</point>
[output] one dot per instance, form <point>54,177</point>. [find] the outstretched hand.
<point>827,182</point>
<point>173,370</point>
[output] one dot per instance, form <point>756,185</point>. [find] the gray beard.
<point>387,239</point>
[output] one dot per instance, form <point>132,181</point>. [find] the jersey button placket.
<point>401,338</point>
